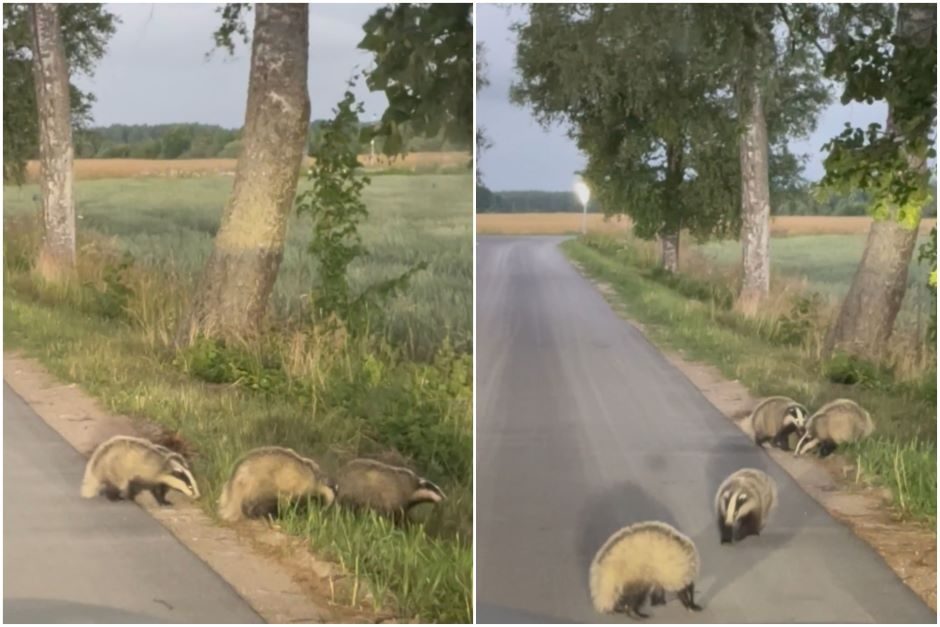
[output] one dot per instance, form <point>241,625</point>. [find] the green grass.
<point>402,392</point>
<point>769,357</point>
<point>827,263</point>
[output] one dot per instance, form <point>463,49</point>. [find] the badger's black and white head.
<point>737,510</point>
<point>795,415</point>
<point>187,483</point>
<point>426,492</point>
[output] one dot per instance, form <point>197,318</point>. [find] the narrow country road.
<point>584,427</point>
<point>67,559</point>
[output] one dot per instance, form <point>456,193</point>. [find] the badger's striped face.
<point>181,472</point>
<point>796,416</point>
<point>427,492</point>
<point>735,504</point>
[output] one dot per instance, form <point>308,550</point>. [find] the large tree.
<point>51,81</point>
<point>636,85</point>
<point>878,60</point>
<point>236,284</point>
<point>85,29</point>
<point>775,75</point>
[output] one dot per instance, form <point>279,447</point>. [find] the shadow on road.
<point>58,611</point>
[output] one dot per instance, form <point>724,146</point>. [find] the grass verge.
<point>778,355</point>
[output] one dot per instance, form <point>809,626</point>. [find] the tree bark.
<point>670,251</point>
<point>866,319</point>
<point>755,204</point>
<point>56,259</point>
<point>233,293</point>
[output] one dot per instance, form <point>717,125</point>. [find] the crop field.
<point>400,390</point>
<point>86,169</point>
<point>565,223</point>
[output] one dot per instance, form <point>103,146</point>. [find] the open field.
<point>565,223</point>
<point>400,390</point>
<point>86,169</point>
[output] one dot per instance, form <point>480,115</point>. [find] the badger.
<point>125,465</point>
<point>644,559</point>
<point>266,474</point>
<point>775,418</point>
<point>389,490</point>
<point>838,422</point>
<point>744,502</point>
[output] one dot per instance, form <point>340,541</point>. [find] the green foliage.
<point>878,60</point>
<point>424,65</point>
<point>86,29</point>
<point>334,201</point>
<point>233,24</point>
<point>851,370</point>
<point>928,254</point>
<point>795,327</point>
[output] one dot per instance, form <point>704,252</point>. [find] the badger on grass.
<point>775,418</point>
<point>265,475</point>
<point>744,502</point>
<point>386,489</point>
<point>643,560</point>
<point>125,465</point>
<point>838,422</point>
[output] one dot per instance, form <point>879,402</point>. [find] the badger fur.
<point>386,489</point>
<point>775,418</point>
<point>125,465</point>
<point>838,422</point>
<point>645,559</point>
<point>264,475</point>
<point>743,503</point>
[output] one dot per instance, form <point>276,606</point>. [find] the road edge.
<point>245,556</point>
<point>864,510</point>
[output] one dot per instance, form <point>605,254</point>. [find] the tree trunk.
<point>670,247</point>
<point>236,284</point>
<point>56,258</point>
<point>867,316</point>
<point>755,204</point>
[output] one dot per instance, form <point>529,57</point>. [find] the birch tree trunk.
<point>670,251</point>
<point>236,285</point>
<point>755,204</point>
<point>866,319</point>
<point>56,258</point>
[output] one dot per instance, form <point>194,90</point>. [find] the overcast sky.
<point>155,70</point>
<point>524,156</point>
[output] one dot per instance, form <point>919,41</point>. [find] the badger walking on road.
<point>838,422</point>
<point>264,475</point>
<point>389,490</point>
<point>643,560</point>
<point>775,418</point>
<point>125,465</point>
<point>744,502</point>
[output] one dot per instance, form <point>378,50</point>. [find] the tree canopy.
<point>86,29</point>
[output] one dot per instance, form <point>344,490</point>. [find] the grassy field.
<point>570,223</point>
<point>779,352</point>
<point>401,391</point>
<point>85,169</point>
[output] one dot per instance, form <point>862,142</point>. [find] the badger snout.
<point>727,534</point>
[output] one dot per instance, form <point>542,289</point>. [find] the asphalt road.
<point>583,427</point>
<point>67,559</point>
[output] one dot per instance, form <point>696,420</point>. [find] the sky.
<point>524,156</point>
<point>155,70</point>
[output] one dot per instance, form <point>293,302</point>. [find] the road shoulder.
<point>909,548</point>
<point>275,574</point>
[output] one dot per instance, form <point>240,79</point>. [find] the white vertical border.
<point>473,593</point>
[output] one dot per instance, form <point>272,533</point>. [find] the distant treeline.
<point>803,201</point>
<point>200,141</point>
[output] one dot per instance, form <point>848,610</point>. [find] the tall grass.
<point>779,353</point>
<point>400,392</point>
